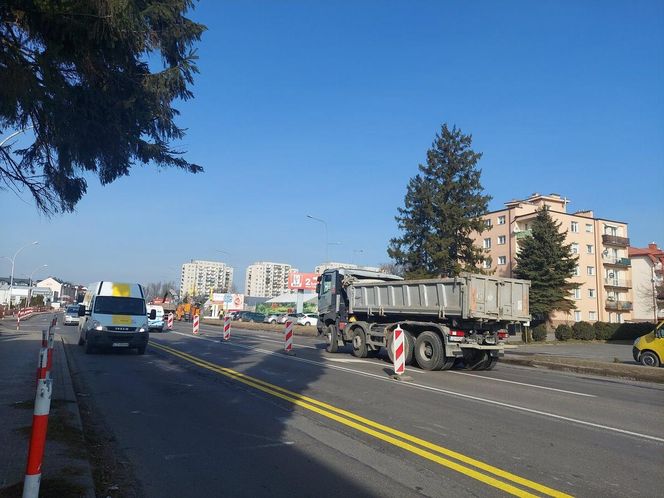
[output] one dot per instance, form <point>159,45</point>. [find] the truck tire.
<point>409,343</point>
<point>359,342</point>
<point>429,351</point>
<point>476,359</point>
<point>449,363</point>
<point>332,339</point>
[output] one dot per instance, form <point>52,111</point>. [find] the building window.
<point>487,243</point>
<point>575,248</point>
<point>501,220</point>
<point>487,264</point>
<point>501,240</point>
<point>591,292</point>
<point>577,316</point>
<point>487,223</point>
<point>577,293</point>
<point>590,270</point>
<point>574,227</point>
<point>502,260</point>
<point>589,227</point>
<point>577,272</point>
<point>592,315</point>
<point>590,249</point>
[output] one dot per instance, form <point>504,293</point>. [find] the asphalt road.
<point>196,416</point>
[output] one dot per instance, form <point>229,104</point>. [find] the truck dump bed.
<point>468,296</point>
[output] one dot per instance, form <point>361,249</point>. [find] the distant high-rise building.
<point>603,272</point>
<point>265,279</point>
<point>200,277</point>
<point>349,266</point>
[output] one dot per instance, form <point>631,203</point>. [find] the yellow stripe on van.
<point>121,290</point>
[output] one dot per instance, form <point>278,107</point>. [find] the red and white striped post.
<point>196,324</point>
<point>39,425</point>
<point>169,323</point>
<point>288,337</point>
<point>398,351</point>
<point>227,328</point>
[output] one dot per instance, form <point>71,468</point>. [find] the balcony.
<point>523,234</point>
<point>614,240</point>
<point>618,305</point>
<point>624,262</point>
<point>616,282</point>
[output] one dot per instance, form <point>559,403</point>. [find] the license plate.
<point>120,344</point>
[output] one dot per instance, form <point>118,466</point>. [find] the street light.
<point>11,279</point>
<point>30,281</point>
<point>326,240</point>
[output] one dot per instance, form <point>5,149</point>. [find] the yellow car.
<point>649,349</point>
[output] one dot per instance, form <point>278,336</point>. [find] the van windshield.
<point>108,305</point>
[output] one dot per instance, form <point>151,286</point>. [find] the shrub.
<point>563,332</point>
<point>604,330</point>
<point>539,332</point>
<point>583,331</point>
<point>630,331</point>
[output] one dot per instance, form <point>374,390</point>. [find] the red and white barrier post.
<point>288,337</point>
<point>227,328</point>
<point>196,324</point>
<point>39,422</point>
<point>398,352</point>
<point>169,322</point>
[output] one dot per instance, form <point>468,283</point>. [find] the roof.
<point>652,252</point>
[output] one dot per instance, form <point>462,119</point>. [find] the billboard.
<point>229,301</point>
<point>302,281</point>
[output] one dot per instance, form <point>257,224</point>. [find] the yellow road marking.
<point>336,414</point>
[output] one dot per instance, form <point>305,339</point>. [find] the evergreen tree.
<point>545,260</point>
<point>443,206</point>
<point>90,85</point>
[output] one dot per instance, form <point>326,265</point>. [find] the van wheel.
<point>141,350</point>
<point>89,348</point>
<point>409,344</point>
<point>649,359</point>
<point>332,339</point>
<point>80,340</point>
<point>429,351</point>
<point>359,341</point>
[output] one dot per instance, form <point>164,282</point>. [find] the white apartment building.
<point>266,279</point>
<point>647,280</point>
<point>201,277</point>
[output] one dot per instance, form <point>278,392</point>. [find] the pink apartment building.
<point>604,269</point>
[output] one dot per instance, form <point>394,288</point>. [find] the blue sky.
<point>326,108</point>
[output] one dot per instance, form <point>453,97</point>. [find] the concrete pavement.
<point>65,471</point>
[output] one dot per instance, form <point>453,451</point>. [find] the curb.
<point>85,479</point>
<point>627,372</point>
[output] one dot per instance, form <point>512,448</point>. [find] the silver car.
<point>71,315</point>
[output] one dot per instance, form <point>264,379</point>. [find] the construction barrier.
<point>398,351</point>
<point>40,417</point>
<point>288,337</point>
<point>227,328</point>
<point>169,322</point>
<point>196,324</point>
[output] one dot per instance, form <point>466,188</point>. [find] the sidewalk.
<point>66,470</point>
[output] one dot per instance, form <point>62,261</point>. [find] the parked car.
<point>71,315</point>
<point>308,319</point>
<point>649,349</point>
<point>289,316</point>
<point>250,316</point>
<point>272,318</point>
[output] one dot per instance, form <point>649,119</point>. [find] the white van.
<point>158,322</point>
<point>113,315</point>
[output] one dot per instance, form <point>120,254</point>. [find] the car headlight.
<point>97,325</point>
<point>143,328</point>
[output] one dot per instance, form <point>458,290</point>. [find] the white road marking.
<point>493,379</point>
<point>423,387</point>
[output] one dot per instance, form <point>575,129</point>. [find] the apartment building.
<point>603,272</point>
<point>266,279</point>
<point>647,280</point>
<point>201,277</point>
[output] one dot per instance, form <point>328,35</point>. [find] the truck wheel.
<point>332,339</point>
<point>449,363</point>
<point>475,359</point>
<point>359,342</point>
<point>409,343</point>
<point>649,359</point>
<point>429,351</point>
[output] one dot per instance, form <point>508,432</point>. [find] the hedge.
<point>603,331</point>
<point>564,332</point>
<point>539,332</point>
<point>583,331</point>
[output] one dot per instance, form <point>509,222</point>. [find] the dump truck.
<point>443,319</point>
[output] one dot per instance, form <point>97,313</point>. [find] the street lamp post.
<point>326,238</point>
<point>11,279</point>
<point>30,282</point>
